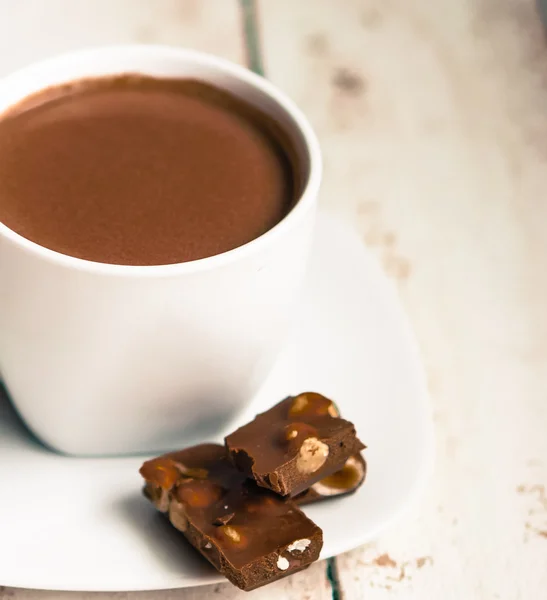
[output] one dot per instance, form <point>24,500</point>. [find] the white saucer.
<point>82,524</point>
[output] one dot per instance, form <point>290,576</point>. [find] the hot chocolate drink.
<point>134,170</point>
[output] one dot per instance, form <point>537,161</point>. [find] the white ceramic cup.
<point>103,359</point>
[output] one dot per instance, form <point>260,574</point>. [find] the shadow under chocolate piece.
<point>295,444</point>
<point>247,533</point>
<point>344,482</point>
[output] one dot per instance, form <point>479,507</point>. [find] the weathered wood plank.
<point>34,29</point>
<point>433,121</point>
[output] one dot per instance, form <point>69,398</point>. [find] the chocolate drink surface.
<point>134,170</point>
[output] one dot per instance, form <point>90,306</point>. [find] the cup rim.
<point>304,202</point>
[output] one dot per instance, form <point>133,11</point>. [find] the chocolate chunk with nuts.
<point>294,445</point>
<point>250,535</point>
<point>345,481</point>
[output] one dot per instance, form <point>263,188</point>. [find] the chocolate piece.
<point>342,483</point>
<point>295,444</point>
<point>250,535</point>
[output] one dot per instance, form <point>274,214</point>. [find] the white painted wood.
<point>34,29</point>
<point>433,119</point>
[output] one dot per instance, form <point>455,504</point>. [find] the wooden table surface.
<point>433,121</point>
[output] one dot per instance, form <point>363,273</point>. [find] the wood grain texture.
<point>309,585</point>
<point>433,121</point>
<point>34,29</point>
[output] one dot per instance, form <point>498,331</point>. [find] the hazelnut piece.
<point>198,493</point>
<point>313,405</point>
<point>346,479</point>
<point>298,546</point>
<point>162,472</point>
<point>300,431</point>
<point>282,563</point>
<point>312,456</point>
<point>158,496</point>
<point>233,536</point>
<point>177,516</point>
<point>194,472</point>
